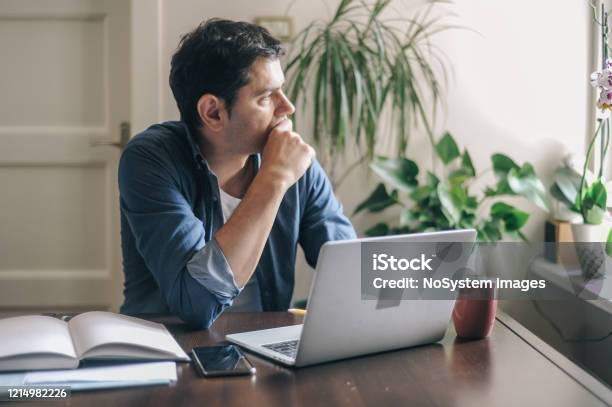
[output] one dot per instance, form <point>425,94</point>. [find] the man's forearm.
<point>244,235</point>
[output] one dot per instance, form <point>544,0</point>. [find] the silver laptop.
<point>339,324</point>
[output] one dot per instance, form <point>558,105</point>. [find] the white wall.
<point>520,86</point>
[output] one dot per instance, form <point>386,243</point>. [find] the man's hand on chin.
<point>286,157</point>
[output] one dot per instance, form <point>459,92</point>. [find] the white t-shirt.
<point>249,298</point>
<point>228,204</point>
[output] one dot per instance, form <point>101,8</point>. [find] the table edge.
<point>590,382</point>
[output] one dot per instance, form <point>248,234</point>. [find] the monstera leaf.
<point>378,200</point>
<point>401,173</point>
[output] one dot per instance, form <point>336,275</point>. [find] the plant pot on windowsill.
<point>590,242</point>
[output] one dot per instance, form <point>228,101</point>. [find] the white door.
<point>64,87</point>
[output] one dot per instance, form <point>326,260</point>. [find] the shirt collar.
<point>193,145</point>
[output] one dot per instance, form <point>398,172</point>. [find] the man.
<point>214,206</point>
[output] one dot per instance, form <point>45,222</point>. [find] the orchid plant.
<point>587,194</point>
<point>603,81</point>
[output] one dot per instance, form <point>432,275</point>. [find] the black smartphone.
<point>224,360</point>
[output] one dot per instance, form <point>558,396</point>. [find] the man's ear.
<point>211,110</point>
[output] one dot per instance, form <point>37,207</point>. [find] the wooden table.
<point>502,370</point>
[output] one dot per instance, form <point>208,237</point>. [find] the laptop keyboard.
<point>287,348</point>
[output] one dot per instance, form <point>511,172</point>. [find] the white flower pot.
<point>590,241</point>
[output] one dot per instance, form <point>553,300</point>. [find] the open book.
<point>38,342</point>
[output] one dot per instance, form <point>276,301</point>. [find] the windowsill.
<point>576,325</point>
<point>570,280</point>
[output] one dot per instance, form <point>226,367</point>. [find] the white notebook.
<point>92,378</point>
<point>38,342</point>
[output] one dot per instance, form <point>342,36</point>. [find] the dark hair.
<point>215,58</point>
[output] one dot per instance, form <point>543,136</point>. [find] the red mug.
<point>474,312</point>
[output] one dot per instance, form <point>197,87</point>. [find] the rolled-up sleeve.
<point>193,276</point>
<point>210,268</point>
<point>323,219</point>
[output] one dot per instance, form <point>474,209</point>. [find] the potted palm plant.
<point>362,63</point>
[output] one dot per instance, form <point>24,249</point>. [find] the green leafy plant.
<point>361,62</point>
<point>590,202</point>
<point>589,199</point>
<point>442,203</point>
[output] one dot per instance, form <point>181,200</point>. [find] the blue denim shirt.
<point>170,211</point>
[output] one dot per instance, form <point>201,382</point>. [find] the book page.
<point>136,373</point>
<point>97,331</point>
<point>35,334</point>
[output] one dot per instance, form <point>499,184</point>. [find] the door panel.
<point>65,88</point>
<point>54,70</point>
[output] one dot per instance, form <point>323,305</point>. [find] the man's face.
<point>259,106</point>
